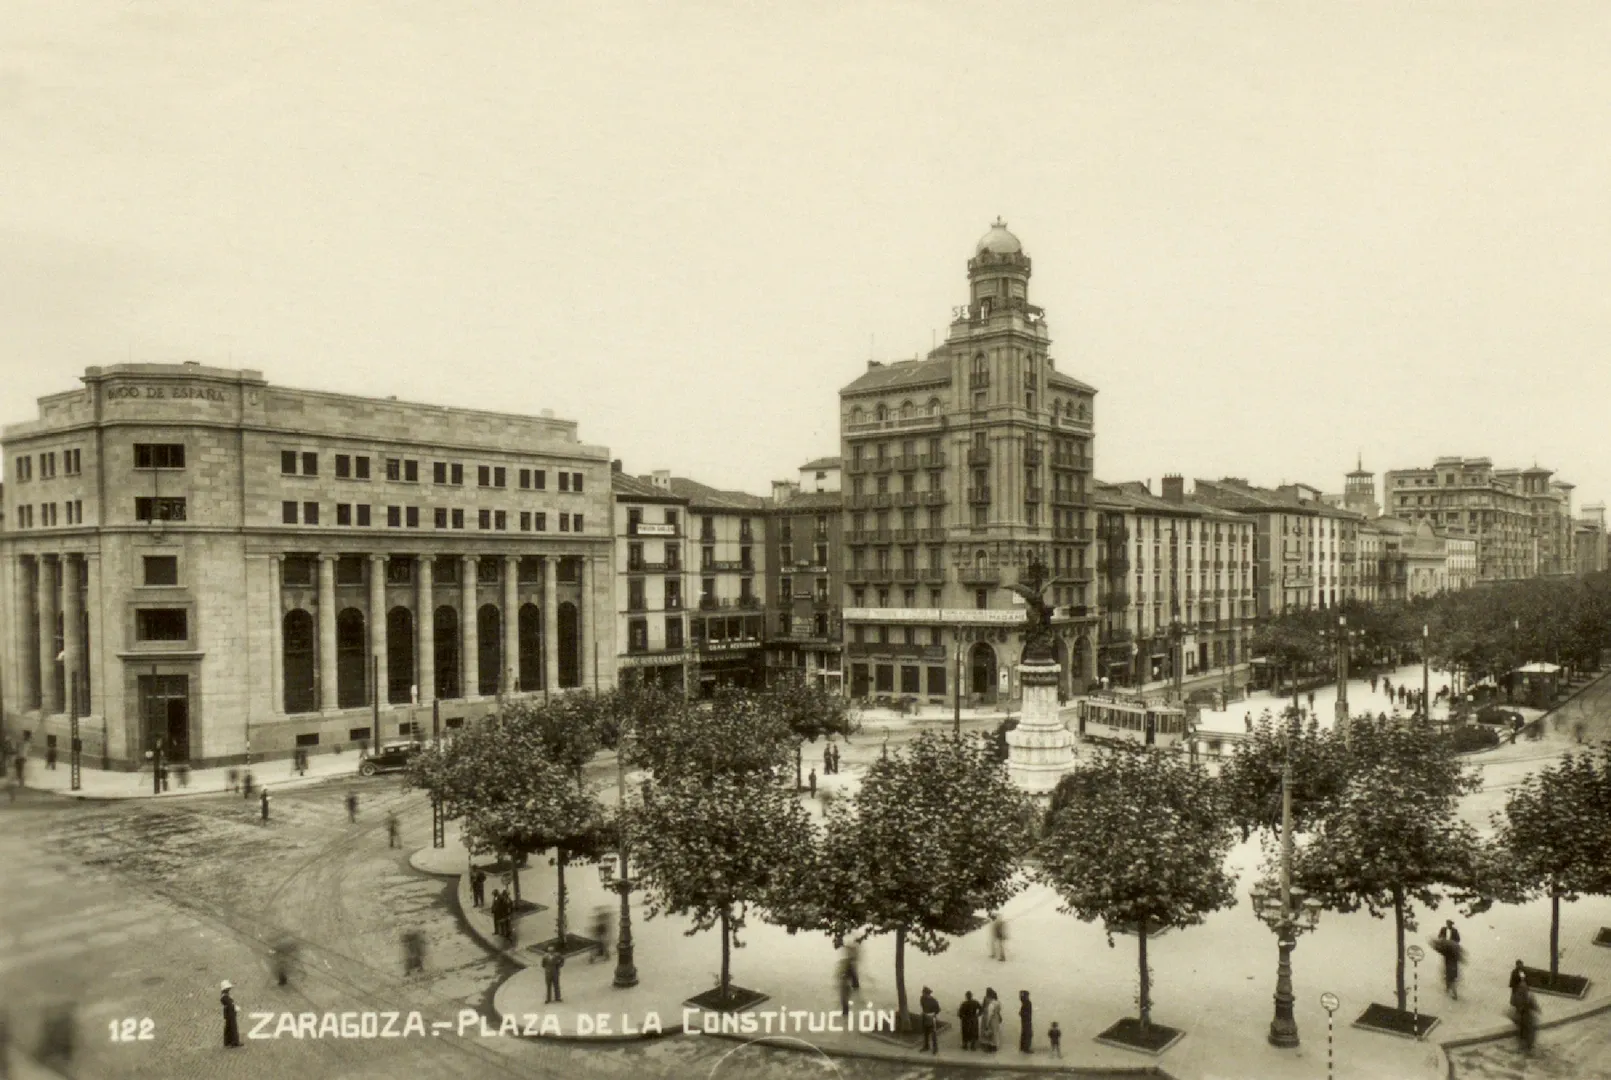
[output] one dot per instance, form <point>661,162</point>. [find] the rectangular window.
<point>439,472</point>
<point>361,467</point>
<point>673,594</point>
<point>483,476</point>
<point>343,513</point>
<point>440,516</point>
<point>399,570</point>
<point>525,478</point>
<point>576,523</point>
<point>350,570</point>
<point>288,512</point>
<point>539,479</point>
<point>564,481</point>
<point>484,519</point>
<point>394,468</point>
<point>161,569</point>
<point>288,462</point>
<point>159,455</point>
<point>411,472</point>
<point>499,476</point>
<point>411,517</point>
<point>539,521</point>
<point>457,473</point>
<point>343,467</point>
<point>363,514</point>
<point>458,519</point>
<point>525,521</point>
<point>576,482</point>
<point>310,513</point>
<point>564,520</point>
<point>674,632</point>
<point>500,520</point>
<point>637,635</point>
<point>161,624</point>
<point>635,594</point>
<point>394,517</point>
<point>297,570</point>
<point>310,464</point>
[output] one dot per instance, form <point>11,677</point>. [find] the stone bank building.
<point>237,569</point>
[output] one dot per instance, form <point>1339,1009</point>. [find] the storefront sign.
<point>170,393</point>
<point>929,616</point>
<point>656,530</point>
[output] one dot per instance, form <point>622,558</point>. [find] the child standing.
<point>1054,1035</point>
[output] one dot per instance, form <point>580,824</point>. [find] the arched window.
<point>531,647</point>
<point>981,366</point>
<point>297,648</point>
<point>570,647</point>
<point>857,416</point>
<point>979,559</point>
<point>351,641</point>
<point>399,655</point>
<point>489,646</point>
<point>908,410</point>
<point>934,406</point>
<point>882,413</point>
<point>982,669</point>
<point>447,653</point>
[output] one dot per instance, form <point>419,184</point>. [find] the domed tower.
<point>1359,492</point>
<point>998,273</point>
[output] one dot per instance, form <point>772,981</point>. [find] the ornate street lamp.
<point>626,973</point>
<point>1289,911</point>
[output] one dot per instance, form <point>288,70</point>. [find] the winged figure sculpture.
<point>1033,586</point>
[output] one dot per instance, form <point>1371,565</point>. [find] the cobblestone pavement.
<point>1580,1050</point>
<point>136,911</point>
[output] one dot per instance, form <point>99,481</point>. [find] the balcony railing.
<point>1077,573</point>
<point>931,535</point>
<point>978,495</point>
<point>977,576</point>
<point>877,500</point>
<point>978,380</point>
<point>894,423</point>
<point>908,498</point>
<point>932,461</point>
<point>898,650</point>
<point>978,455</point>
<point>1032,494</point>
<point>856,466</point>
<point>868,577</point>
<point>1032,455</point>
<point>933,498</point>
<point>1066,497</point>
<point>908,463</point>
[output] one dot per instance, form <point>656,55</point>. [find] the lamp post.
<point>1176,654</point>
<point>626,973</point>
<point>956,712</point>
<point>1426,673</point>
<point>1342,675</point>
<point>1287,910</point>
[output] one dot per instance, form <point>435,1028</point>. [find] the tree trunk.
<point>1146,982</point>
<point>1554,931</point>
<point>514,873</point>
<point>799,762</point>
<point>560,856</point>
<point>902,1017</point>
<point>1398,925</point>
<point>727,955</point>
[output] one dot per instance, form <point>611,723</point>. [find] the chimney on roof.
<point>873,364</point>
<point>784,490</point>
<point>615,465</point>
<point>661,479</point>
<point>1174,488</point>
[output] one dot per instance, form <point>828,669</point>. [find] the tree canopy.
<point>733,734</point>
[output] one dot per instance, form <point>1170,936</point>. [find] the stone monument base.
<point>1040,750</point>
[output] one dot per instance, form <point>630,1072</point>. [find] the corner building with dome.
<point>960,469</point>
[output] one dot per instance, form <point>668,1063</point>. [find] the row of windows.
<point>902,635</point>
<point>638,634</point>
<point>407,471</point>
<point>301,570</point>
<point>397,517</point>
<point>72,463</point>
<point>51,514</point>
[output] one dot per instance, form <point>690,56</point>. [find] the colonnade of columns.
<point>424,623</point>
<point>48,587</point>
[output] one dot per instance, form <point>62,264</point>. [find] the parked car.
<point>387,759</point>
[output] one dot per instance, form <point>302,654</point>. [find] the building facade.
<point>237,569</point>
<point>1175,585</point>
<point>1589,539</point>
<point>804,546</point>
<point>651,532</point>
<point>1504,510</point>
<point>1307,551</point>
<point>962,468</point>
<point>727,629</point>
<point>1460,561</point>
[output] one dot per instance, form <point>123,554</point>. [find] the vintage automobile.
<point>387,759</point>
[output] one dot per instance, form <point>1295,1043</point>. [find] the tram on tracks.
<point>1116,718</point>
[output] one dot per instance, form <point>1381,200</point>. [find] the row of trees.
<point>1483,632</point>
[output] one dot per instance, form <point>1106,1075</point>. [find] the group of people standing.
<point>981,1023</point>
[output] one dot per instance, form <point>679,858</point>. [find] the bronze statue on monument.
<point>1033,585</point>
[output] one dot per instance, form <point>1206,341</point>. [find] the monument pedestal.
<point>1040,750</point>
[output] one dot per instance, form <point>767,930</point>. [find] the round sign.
<point>1329,1002</point>
<point>1415,953</point>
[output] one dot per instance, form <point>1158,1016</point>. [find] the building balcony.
<point>868,536</point>
<point>931,461</point>
<point>1032,455</point>
<point>882,464</point>
<point>931,536</point>
<point>908,463</point>
<point>1082,574</point>
<point>978,380</point>
<point>908,498</point>
<point>1032,494</point>
<point>894,423</point>
<point>749,602</point>
<point>1070,461</point>
<point>978,456</point>
<point>977,576</point>
<point>979,495</point>
<point>1073,534</point>
<point>876,501</point>
<point>868,577</point>
<point>857,466</point>
<point>933,498</point>
<point>709,603</point>
<point>1068,423</point>
<point>1067,497</point>
<point>897,651</point>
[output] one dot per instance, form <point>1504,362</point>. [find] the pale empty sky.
<point>1271,235</point>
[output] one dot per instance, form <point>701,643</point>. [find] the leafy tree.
<point>733,734</point>
<point>1292,642</point>
<point>1139,841</point>
<point>712,847</point>
<point>1553,833</point>
<point>810,713</point>
<point>1392,837</point>
<point>1250,783</point>
<point>932,837</point>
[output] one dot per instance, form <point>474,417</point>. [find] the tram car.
<point>1114,719</point>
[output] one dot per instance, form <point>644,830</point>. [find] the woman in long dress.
<point>232,1030</point>
<point>990,1022</point>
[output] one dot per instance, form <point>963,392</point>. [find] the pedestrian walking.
<point>284,960</point>
<point>968,1017</point>
<point>1054,1038</point>
<point>1373,684</point>
<point>842,979</point>
<point>234,779</point>
<point>391,828</point>
<point>552,963</point>
<point>264,799</point>
<point>1311,700</point>
<point>352,806</point>
<point>1026,1022</point>
<point>247,785</point>
<point>413,952</point>
<point>853,964</point>
<point>998,938</point>
<point>1518,975</point>
<point>601,934</point>
<point>929,1005</point>
<point>20,763</point>
<point>500,913</point>
<point>990,1021</point>
<point>835,757</point>
<point>478,887</point>
<point>50,754</point>
<point>1448,946</point>
<point>1524,1011</point>
<point>811,783</point>
<point>827,760</point>
<point>232,1028</point>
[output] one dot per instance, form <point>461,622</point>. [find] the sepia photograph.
<point>910,540</point>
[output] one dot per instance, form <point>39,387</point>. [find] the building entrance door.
<point>165,704</point>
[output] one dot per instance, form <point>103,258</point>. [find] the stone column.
<point>94,646</point>
<point>25,593</point>
<point>276,632</point>
<point>72,632</point>
<point>425,631</point>
<point>469,638</point>
<point>327,633</point>
<point>49,705</point>
<point>1041,749</point>
<point>551,623</point>
<point>511,623</point>
<point>584,625</point>
<point>377,627</point>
